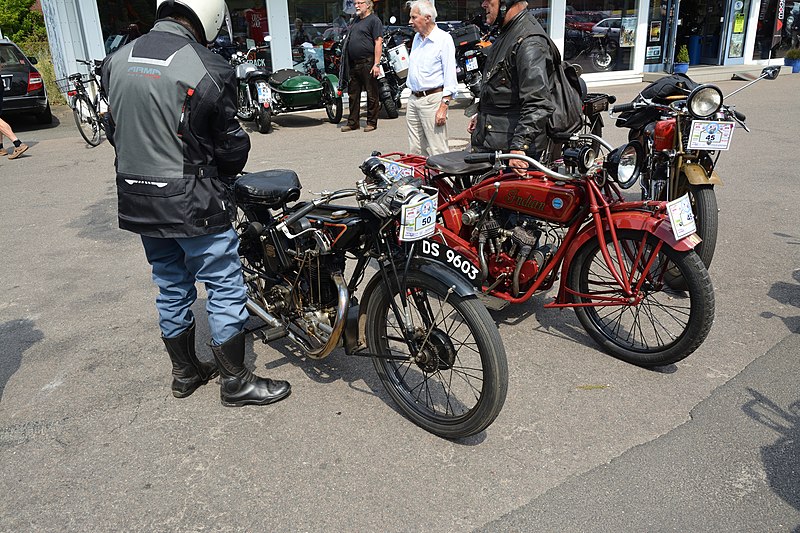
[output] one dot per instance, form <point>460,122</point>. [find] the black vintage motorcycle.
<point>470,57</point>
<point>435,347</point>
<point>394,70</point>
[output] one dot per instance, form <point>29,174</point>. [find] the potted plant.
<point>681,65</point>
<point>792,59</point>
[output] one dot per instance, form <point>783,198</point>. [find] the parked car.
<point>579,22</point>
<point>610,27</point>
<point>22,85</point>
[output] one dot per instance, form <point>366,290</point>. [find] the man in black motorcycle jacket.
<point>172,106</point>
<point>515,97</point>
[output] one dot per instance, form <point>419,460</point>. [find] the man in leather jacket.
<point>172,106</point>
<point>515,97</point>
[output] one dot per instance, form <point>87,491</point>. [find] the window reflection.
<point>600,35</point>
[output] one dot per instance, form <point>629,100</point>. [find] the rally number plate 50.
<point>444,254</point>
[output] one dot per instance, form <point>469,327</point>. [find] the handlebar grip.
<point>621,108</point>
<point>300,213</point>
<point>611,98</point>
<point>739,116</point>
<point>487,157</point>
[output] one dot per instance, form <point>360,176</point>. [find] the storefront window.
<point>741,8</point>
<point>600,34</point>
<point>774,35</point>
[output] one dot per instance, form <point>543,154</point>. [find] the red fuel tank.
<point>546,199</point>
<point>664,135</point>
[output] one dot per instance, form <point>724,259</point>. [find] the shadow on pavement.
<point>781,459</point>
<point>16,336</point>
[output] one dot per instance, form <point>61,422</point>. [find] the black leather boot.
<point>188,372</point>
<point>239,386</point>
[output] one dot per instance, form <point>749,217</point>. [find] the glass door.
<point>712,16</point>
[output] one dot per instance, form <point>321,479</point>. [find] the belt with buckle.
<point>420,94</point>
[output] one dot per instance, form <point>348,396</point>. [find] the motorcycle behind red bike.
<point>516,235</point>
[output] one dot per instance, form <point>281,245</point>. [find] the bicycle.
<point>87,108</point>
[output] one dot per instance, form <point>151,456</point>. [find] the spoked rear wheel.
<point>455,381</point>
<point>667,324</point>
<point>87,120</point>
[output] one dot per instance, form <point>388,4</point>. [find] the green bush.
<point>683,55</point>
<point>792,53</point>
<point>41,50</point>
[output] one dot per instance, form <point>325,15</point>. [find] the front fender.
<point>435,270</point>
<point>634,220</point>
<point>697,175</point>
<point>333,79</point>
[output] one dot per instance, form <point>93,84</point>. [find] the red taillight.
<point>72,93</point>
<point>34,82</point>
<point>664,135</point>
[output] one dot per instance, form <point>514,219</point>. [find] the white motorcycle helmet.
<point>210,14</point>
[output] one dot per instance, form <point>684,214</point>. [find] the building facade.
<point>613,40</point>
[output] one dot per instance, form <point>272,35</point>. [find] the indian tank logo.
<point>146,72</point>
<point>558,203</point>
<point>529,202</point>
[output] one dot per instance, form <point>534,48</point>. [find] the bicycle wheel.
<point>455,381</point>
<point>86,119</point>
<point>666,325</point>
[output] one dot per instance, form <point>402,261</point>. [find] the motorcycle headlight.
<point>704,101</point>
<point>624,163</point>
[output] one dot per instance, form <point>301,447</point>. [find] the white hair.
<point>425,8</point>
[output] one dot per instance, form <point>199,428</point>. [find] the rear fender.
<point>635,220</point>
<point>697,175</point>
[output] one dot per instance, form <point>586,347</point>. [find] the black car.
<point>23,86</point>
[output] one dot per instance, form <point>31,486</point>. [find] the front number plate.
<point>472,63</point>
<point>444,254</point>
<point>710,135</point>
<point>418,220</point>
<point>681,217</point>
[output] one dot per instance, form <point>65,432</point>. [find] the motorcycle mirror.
<point>770,73</point>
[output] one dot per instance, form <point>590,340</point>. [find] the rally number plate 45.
<point>444,254</point>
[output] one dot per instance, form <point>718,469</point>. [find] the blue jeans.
<point>178,263</point>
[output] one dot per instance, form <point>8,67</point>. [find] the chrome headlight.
<point>623,163</point>
<point>704,101</point>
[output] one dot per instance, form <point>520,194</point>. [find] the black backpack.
<point>566,92</point>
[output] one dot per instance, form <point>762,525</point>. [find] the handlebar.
<point>621,108</point>
<point>489,157</point>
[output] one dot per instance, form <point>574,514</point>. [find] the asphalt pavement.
<point>92,440</point>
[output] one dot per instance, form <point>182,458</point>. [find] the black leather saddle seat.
<point>452,164</point>
<point>280,76</point>
<point>270,188</point>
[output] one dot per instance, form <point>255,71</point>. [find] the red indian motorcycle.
<point>512,236</point>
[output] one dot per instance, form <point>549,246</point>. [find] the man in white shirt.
<point>432,81</point>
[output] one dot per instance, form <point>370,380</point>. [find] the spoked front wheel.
<point>87,120</point>
<point>663,325</point>
<point>455,380</point>
<point>333,103</point>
